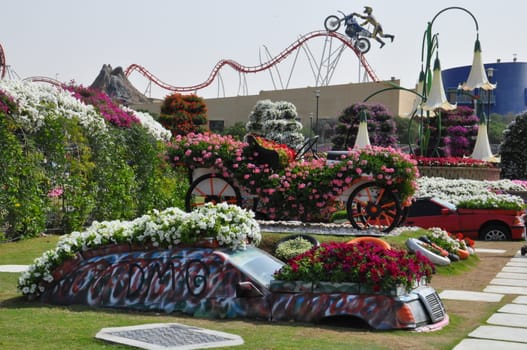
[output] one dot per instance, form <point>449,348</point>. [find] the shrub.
<point>512,149</point>
<point>182,114</point>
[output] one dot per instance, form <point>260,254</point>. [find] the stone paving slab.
<point>490,251</point>
<point>520,300</point>
<point>13,268</point>
<point>501,333</point>
<point>470,296</point>
<point>509,282</point>
<point>514,269</point>
<point>485,344</point>
<point>513,275</point>
<point>511,320</point>
<point>505,289</point>
<point>514,309</point>
<point>168,336</point>
<point>519,258</point>
<point>517,264</point>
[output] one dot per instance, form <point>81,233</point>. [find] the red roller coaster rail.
<point>41,79</point>
<point>254,69</point>
<point>2,63</point>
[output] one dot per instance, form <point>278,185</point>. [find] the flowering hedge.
<point>304,190</point>
<point>364,262</point>
<point>454,162</point>
<point>68,160</point>
<point>232,226</point>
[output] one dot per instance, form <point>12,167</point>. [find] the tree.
<point>276,121</point>
<point>381,126</point>
<point>512,149</point>
<point>182,114</point>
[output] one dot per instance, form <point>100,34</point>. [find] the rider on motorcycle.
<point>377,28</point>
<point>352,26</point>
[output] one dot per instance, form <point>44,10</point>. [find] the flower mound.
<point>364,262</point>
<point>232,226</point>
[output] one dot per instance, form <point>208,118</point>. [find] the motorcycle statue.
<point>358,35</point>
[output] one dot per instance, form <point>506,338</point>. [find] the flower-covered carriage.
<point>374,185</point>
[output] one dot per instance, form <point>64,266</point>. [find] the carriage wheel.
<point>373,206</point>
<point>211,188</point>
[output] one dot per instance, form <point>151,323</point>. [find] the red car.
<point>485,224</point>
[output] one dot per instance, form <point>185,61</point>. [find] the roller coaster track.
<point>254,69</point>
<point>42,79</point>
<point>2,63</point>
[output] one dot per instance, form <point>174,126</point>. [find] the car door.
<point>426,213</point>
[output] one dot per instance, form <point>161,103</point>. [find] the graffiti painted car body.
<point>224,283</point>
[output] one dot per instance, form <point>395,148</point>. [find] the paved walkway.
<point>505,330</point>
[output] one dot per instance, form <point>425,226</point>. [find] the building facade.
<point>312,103</point>
<point>509,97</point>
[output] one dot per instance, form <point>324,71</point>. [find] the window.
<point>217,125</point>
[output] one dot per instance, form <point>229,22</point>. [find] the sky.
<point>181,41</point>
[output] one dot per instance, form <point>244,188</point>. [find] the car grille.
<point>433,304</point>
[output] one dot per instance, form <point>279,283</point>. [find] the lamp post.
<point>317,96</point>
<point>310,125</point>
<point>431,97</point>
<point>490,74</point>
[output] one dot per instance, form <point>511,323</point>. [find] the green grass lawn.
<point>31,325</point>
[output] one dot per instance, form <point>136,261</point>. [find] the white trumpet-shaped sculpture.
<point>436,99</point>
<point>477,78</point>
<point>482,149</point>
<point>363,139</point>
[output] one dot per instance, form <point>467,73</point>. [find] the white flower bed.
<point>458,191</point>
<point>232,226</point>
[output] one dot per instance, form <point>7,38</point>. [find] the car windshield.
<point>445,203</point>
<point>256,263</point>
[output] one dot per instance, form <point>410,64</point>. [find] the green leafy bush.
<point>512,149</point>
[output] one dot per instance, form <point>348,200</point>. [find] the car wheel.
<point>494,232</point>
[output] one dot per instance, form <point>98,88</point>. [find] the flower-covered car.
<point>373,184</point>
<point>226,283</point>
<point>486,224</point>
